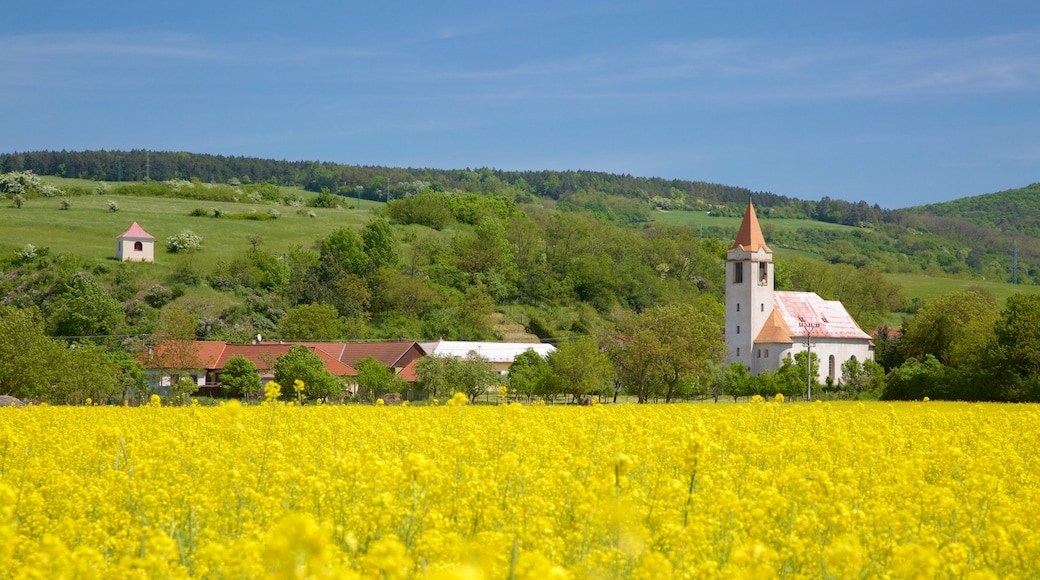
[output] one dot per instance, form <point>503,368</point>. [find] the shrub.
<point>113,206</point>
<point>199,212</point>
<point>66,203</point>
<point>158,296</point>
<point>186,241</point>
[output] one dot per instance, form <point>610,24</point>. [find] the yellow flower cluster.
<point>840,490</point>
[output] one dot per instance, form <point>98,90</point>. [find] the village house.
<point>765,326</point>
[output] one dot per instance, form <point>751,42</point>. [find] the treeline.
<point>963,346</point>
<point>373,182</point>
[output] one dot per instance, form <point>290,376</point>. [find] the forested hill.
<point>373,181</point>
<point>1014,210</point>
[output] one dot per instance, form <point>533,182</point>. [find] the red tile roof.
<point>750,238</point>
<point>264,355</point>
<point>388,353</point>
<point>213,355</point>
<point>136,231</point>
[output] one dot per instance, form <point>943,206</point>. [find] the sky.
<point>896,103</point>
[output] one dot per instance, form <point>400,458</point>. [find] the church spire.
<point>750,238</point>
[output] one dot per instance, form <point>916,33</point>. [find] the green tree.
<point>374,378</point>
<point>668,348</point>
<point>1016,354</point>
<point>431,376</point>
<point>239,377</point>
<point>952,328</point>
<point>342,251</point>
<point>90,373</point>
<point>378,240</point>
<point>301,363</point>
<point>85,309</point>
<point>527,374</point>
<point>737,381</point>
<point>857,378</point>
<point>578,368</point>
<point>320,322</point>
<point>27,355</point>
<point>472,375</point>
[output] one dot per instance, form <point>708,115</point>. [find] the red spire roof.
<point>750,238</point>
<point>136,231</point>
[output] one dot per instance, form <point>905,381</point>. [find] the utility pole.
<point>809,327</point>
<point>1014,261</point>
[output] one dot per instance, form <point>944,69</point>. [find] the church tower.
<point>749,290</point>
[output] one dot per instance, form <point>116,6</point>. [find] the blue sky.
<point>895,103</point>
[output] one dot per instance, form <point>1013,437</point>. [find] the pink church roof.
<point>807,307</point>
<point>136,231</point>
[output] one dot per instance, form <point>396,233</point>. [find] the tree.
<point>527,374</point>
<point>320,322</point>
<point>85,309</point>
<point>951,328</point>
<point>342,251</point>
<point>578,368</point>
<point>472,375</point>
<point>1016,355</point>
<point>431,376</point>
<point>91,374</point>
<point>239,377</point>
<point>669,347</point>
<point>691,340</point>
<point>300,363</point>
<point>378,240</point>
<point>857,378</point>
<point>792,378</point>
<point>737,380</point>
<point>373,377</point>
<point>27,355</point>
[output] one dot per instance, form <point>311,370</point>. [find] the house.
<point>499,354</point>
<point>764,326</point>
<point>135,245</point>
<point>202,361</point>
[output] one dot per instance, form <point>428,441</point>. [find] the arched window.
<point>138,247</point>
<point>853,357</point>
<point>830,367</point>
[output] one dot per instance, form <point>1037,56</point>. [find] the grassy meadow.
<point>89,229</point>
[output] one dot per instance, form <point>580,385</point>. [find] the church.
<point>765,326</point>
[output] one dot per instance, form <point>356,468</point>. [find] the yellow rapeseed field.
<point>762,490</point>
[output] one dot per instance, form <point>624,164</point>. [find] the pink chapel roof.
<point>807,307</point>
<point>136,231</point>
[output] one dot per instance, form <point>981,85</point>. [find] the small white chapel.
<point>764,326</point>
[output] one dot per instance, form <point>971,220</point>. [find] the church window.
<point>738,351</point>
<point>759,353</point>
<point>738,329</point>
<point>762,307</point>
<point>767,353</point>
<point>138,247</point>
<point>763,273</point>
<point>738,307</point>
<point>738,273</point>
